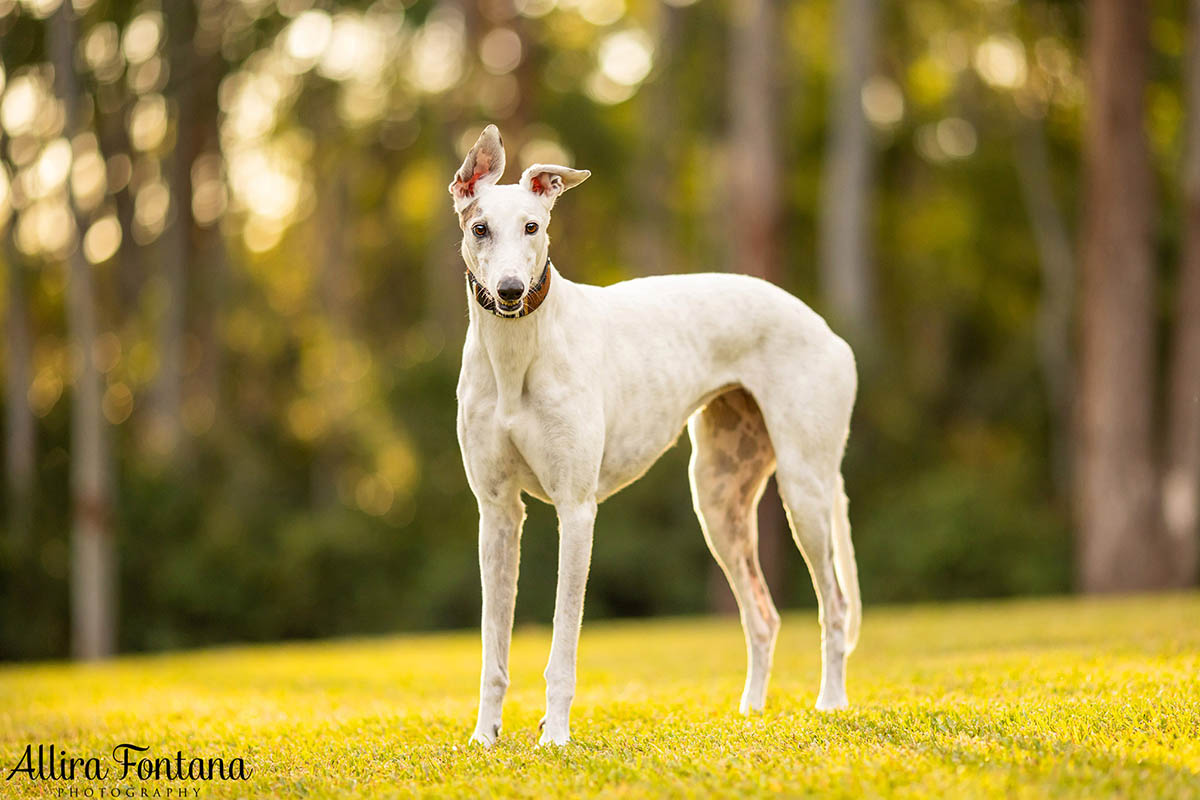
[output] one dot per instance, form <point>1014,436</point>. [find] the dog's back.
<point>668,344</point>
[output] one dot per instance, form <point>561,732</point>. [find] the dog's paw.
<point>558,741</point>
<point>484,738</point>
<point>832,703</point>
<point>748,707</point>
<point>552,737</point>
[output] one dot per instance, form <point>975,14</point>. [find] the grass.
<point>1061,698</point>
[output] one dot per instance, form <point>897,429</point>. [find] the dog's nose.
<point>510,289</point>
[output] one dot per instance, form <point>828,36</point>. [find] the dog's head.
<point>504,227</point>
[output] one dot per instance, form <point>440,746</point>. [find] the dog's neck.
<point>512,343</point>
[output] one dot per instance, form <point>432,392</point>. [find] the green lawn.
<point>1080,698</point>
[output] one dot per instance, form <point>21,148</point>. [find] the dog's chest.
<point>506,436</point>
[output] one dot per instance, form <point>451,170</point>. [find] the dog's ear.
<point>483,166</point>
<point>548,181</point>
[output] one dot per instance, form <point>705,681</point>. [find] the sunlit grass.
<point>1079,698</point>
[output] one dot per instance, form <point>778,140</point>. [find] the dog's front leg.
<point>499,555</point>
<point>575,523</point>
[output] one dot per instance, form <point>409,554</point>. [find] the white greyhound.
<point>569,392</point>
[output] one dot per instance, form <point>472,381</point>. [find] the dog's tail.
<point>844,565</point>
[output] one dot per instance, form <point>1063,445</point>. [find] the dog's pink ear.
<point>483,166</point>
<point>548,181</point>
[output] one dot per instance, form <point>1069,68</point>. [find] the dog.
<point>569,392</point>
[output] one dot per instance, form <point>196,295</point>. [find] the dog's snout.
<point>510,289</point>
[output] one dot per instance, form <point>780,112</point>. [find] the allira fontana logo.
<point>128,762</point>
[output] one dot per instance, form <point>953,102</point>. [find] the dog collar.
<point>527,305</point>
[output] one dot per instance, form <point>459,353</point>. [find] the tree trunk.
<point>1181,477</point>
<point>1053,241</point>
<point>754,208</point>
<point>93,591</point>
<point>210,256</point>
<point>1120,545</point>
<point>650,244</point>
<point>336,286</point>
<point>845,259</point>
<point>165,414</point>
<point>131,278</point>
<point>19,426</point>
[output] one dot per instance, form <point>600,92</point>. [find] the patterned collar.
<point>533,298</point>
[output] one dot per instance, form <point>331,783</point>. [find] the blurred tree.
<point>113,109</point>
<point>323,491</point>
<point>1116,499</point>
<point>845,259</point>
<point>755,171</point>
<point>1052,238</point>
<point>20,431</point>
<point>1181,476</point>
<point>209,284</point>
<point>650,242</point>
<point>20,428</point>
<point>93,555</point>
<point>164,415</point>
<point>335,285</point>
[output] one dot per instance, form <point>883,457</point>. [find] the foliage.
<point>1056,698</point>
<point>318,490</point>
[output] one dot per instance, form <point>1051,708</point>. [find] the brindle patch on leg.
<point>723,414</point>
<point>725,464</point>
<point>732,458</point>
<point>748,446</point>
<point>733,425</point>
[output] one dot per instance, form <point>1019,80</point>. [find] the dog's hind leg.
<point>807,413</point>
<point>814,507</point>
<point>731,460</point>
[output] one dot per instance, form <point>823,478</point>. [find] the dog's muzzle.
<point>515,305</point>
<point>510,291</point>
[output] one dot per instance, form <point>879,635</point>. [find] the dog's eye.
<point>531,227</point>
<point>479,229</point>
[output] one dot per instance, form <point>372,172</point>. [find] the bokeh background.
<point>233,304</point>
